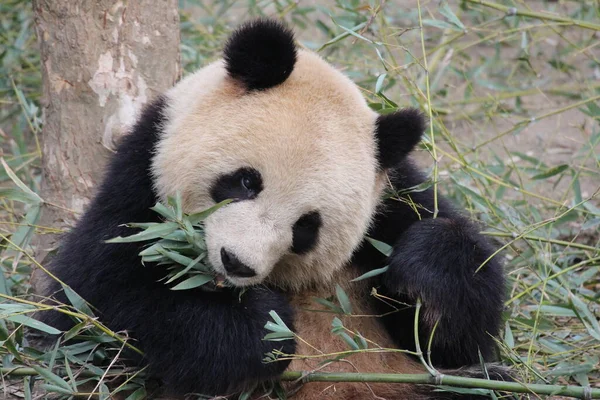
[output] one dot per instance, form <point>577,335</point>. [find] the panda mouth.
<point>220,281</point>
<point>218,284</point>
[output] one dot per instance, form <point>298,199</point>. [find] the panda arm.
<point>209,343</point>
<point>193,341</point>
<point>435,260</point>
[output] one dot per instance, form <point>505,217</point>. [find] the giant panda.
<point>310,168</point>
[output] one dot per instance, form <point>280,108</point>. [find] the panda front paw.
<point>437,261</point>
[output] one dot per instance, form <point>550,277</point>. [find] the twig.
<point>510,11</point>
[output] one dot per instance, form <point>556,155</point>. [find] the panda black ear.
<point>397,134</point>
<point>260,54</point>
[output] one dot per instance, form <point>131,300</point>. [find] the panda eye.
<point>242,184</point>
<point>247,182</point>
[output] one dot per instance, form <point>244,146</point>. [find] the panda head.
<point>293,142</point>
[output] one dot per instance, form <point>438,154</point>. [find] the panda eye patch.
<point>242,184</point>
<point>306,232</point>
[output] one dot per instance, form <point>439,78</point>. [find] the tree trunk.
<point>102,60</point>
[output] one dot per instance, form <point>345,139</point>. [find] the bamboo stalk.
<point>537,15</point>
<point>426,379</point>
<point>446,380</point>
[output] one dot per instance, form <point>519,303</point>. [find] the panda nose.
<point>234,266</point>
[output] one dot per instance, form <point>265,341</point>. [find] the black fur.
<point>306,232</point>
<point>397,134</point>
<point>435,260</point>
<point>176,328</point>
<point>242,184</point>
<point>260,54</point>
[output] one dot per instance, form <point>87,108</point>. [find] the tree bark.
<point>102,60</point>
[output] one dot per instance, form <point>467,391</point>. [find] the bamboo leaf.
<point>440,24</point>
<point>278,319</point>
<point>33,323</point>
<point>193,282</point>
<point>447,12</point>
<point>201,216</point>
<point>379,83</point>
<point>372,273</point>
<point>163,210</point>
<point>77,301</point>
<point>29,193</point>
<point>343,299</point>
<point>154,232</point>
<point>53,378</point>
<point>186,269</point>
<point>383,248</point>
<point>139,394</point>
<point>330,305</point>
<point>551,172</point>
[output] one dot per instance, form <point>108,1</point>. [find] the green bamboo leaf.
<point>371,273</point>
<point>551,172</point>
<point>164,211</point>
<point>157,258</point>
<point>383,248</point>
<point>74,331</point>
<point>342,36</point>
<point>29,193</point>
<point>77,301</point>
<point>379,83</point>
<point>509,338</point>
<point>586,316</point>
<point>338,325</point>
<point>33,323</point>
<point>354,33</point>
<point>8,341</point>
<point>52,378</point>
<point>330,305</point>
<point>343,299</point>
<point>360,341</point>
<point>12,308</point>
<point>278,319</point>
<point>279,336</point>
<point>186,269</point>
<point>17,195</point>
<point>139,394</point>
<point>193,282</point>
<point>27,388</point>
<point>55,389</point>
<point>104,392</point>
<point>154,232</point>
<point>273,327</point>
<point>201,216</point>
<point>447,12</point>
<point>552,310</point>
<point>348,340</point>
<point>22,236</point>
<point>178,258</point>
<point>70,374</point>
<point>440,24</point>
<point>178,206</point>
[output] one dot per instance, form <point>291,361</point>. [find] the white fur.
<point>312,140</point>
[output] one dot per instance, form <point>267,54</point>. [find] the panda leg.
<point>445,263</point>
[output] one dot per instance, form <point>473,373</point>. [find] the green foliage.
<point>512,94</point>
<point>177,243</point>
